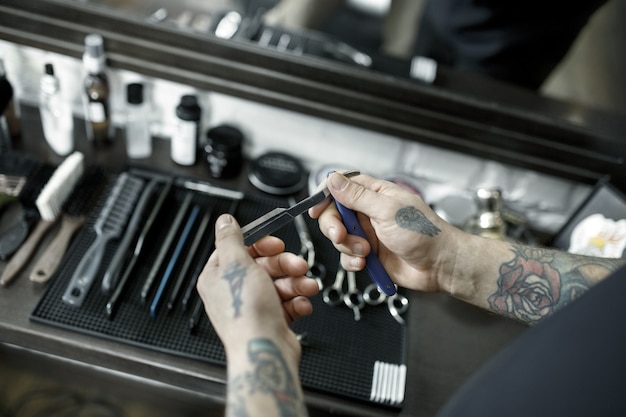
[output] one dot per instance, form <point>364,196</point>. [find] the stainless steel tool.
<point>316,270</point>
<point>280,217</point>
<point>353,298</point>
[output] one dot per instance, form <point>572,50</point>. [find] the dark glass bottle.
<point>97,111</point>
<point>223,151</point>
<point>9,113</point>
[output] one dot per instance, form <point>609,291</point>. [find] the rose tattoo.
<point>528,289</point>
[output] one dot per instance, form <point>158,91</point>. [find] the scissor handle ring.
<point>333,296</point>
<point>373,296</point>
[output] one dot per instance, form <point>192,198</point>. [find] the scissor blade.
<point>279,217</point>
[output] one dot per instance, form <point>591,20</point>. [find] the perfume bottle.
<point>97,111</point>
<point>56,114</point>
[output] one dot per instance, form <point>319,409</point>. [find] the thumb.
<point>228,235</point>
<point>353,195</point>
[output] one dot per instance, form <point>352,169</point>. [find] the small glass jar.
<point>223,151</point>
<point>488,222</point>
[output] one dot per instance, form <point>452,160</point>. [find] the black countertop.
<point>447,339</point>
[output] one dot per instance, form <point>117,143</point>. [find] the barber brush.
<point>48,205</point>
<point>77,207</point>
<point>13,238</point>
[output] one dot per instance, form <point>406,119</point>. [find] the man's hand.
<point>254,291</point>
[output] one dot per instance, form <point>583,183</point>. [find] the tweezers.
<point>279,217</point>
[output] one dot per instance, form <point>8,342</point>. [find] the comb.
<point>48,203</point>
<point>113,272</point>
<point>78,205</point>
<point>109,225</point>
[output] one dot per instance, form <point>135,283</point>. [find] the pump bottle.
<point>56,114</point>
<point>97,111</point>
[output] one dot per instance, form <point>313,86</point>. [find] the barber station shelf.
<point>340,355</point>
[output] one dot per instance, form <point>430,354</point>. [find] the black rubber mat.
<point>339,353</point>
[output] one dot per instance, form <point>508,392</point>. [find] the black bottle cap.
<point>49,69</point>
<point>134,93</point>
<point>225,138</point>
<point>188,109</point>
<point>277,173</point>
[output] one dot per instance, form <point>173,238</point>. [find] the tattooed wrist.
<point>235,274</point>
<point>539,281</point>
<point>268,380</point>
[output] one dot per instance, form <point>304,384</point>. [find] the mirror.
<point>459,111</point>
<point>385,36</point>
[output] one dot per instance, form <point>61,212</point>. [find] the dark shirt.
<point>570,364</point>
<point>518,41</point>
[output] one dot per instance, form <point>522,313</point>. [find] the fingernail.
<point>332,234</point>
<point>338,181</point>
<point>224,221</point>
<point>358,249</point>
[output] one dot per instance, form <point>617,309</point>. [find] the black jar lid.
<point>134,93</point>
<point>188,108</point>
<point>277,173</point>
<point>225,138</point>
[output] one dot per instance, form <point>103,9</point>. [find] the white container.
<point>138,139</point>
<point>56,114</point>
<point>184,146</point>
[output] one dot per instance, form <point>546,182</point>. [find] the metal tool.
<point>316,270</point>
<point>190,257</point>
<point>353,298</point>
<point>333,295</point>
<point>279,217</point>
<point>397,304</point>
<point>114,269</point>
<point>182,239</point>
<point>373,296</point>
<point>148,226</point>
<point>166,246</point>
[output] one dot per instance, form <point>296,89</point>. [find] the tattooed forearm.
<point>269,379</point>
<point>234,274</point>
<point>413,219</point>
<point>539,281</point>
